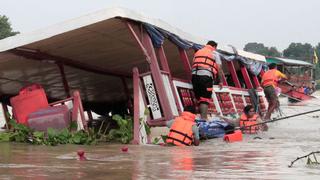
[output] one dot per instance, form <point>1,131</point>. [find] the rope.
<point>278,119</point>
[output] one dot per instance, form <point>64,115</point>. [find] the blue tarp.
<point>158,36</point>
<point>211,129</point>
<point>253,66</point>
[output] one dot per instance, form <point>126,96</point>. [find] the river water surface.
<point>266,157</point>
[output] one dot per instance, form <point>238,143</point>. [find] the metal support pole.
<point>246,77</point>
<point>165,66</point>
<point>147,48</point>
<point>78,109</point>
<point>163,60</point>
<point>136,106</point>
<point>256,81</point>
<point>233,74</point>
<point>64,79</point>
<point>186,62</point>
<point>224,81</point>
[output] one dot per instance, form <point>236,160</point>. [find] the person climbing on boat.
<point>250,117</point>
<point>205,73</point>
<point>269,82</point>
<point>183,129</point>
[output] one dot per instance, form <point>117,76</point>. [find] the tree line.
<point>299,51</point>
<point>5,28</point>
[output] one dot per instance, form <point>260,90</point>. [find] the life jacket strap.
<point>178,140</point>
<point>183,134</point>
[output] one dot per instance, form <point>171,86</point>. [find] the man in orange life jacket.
<point>250,117</point>
<point>205,73</point>
<point>269,82</point>
<point>183,129</point>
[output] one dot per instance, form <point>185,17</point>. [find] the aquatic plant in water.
<point>124,133</point>
<point>22,133</point>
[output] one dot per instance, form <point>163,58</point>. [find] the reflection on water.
<point>265,158</point>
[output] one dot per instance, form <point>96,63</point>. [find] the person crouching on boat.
<point>205,72</point>
<point>269,83</point>
<point>248,119</point>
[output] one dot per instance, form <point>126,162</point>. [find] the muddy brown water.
<point>265,158</point>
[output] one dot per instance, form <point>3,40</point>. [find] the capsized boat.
<point>124,62</point>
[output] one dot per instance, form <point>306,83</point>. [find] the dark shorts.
<point>270,94</point>
<point>200,86</point>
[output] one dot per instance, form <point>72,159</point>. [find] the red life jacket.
<point>181,130</point>
<point>203,59</point>
<point>245,121</point>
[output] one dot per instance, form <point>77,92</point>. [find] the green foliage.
<point>5,137</point>
<point>5,28</point>
<point>156,140</point>
<point>148,129</point>
<point>21,132</point>
<point>259,48</point>
<point>299,51</point>
<point>164,138</point>
<point>125,132</point>
<point>53,137</point>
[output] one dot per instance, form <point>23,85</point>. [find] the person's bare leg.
<point>271,108</point>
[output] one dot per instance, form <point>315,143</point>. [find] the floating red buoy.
<point>81,155</point>
<point>124,149</point>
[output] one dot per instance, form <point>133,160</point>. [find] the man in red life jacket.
<point>205,72</point>
<point>269,83</point>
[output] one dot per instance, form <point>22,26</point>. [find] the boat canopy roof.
<point>98,51</point>
<point>285,61</point>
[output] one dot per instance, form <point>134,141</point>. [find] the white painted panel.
<point>142,130</point>
<point>170,96</point>
<point>2,118</point>
<point>152,97</point>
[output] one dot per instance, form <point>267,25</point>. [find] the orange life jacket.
<point>245,121</point>
<point>181,130</point>
<point>270,78</point>
<point>203,59</point>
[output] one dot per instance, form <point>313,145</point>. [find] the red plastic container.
<point>56,117</point>
<point>236,136</point>
<point>30,99</point>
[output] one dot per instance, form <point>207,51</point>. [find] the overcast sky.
<point>272,22</point>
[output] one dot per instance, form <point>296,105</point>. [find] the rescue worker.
<point>250,117</point>
<point>269,82</point>
<point>183,129</point>
<point>205,73</point>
